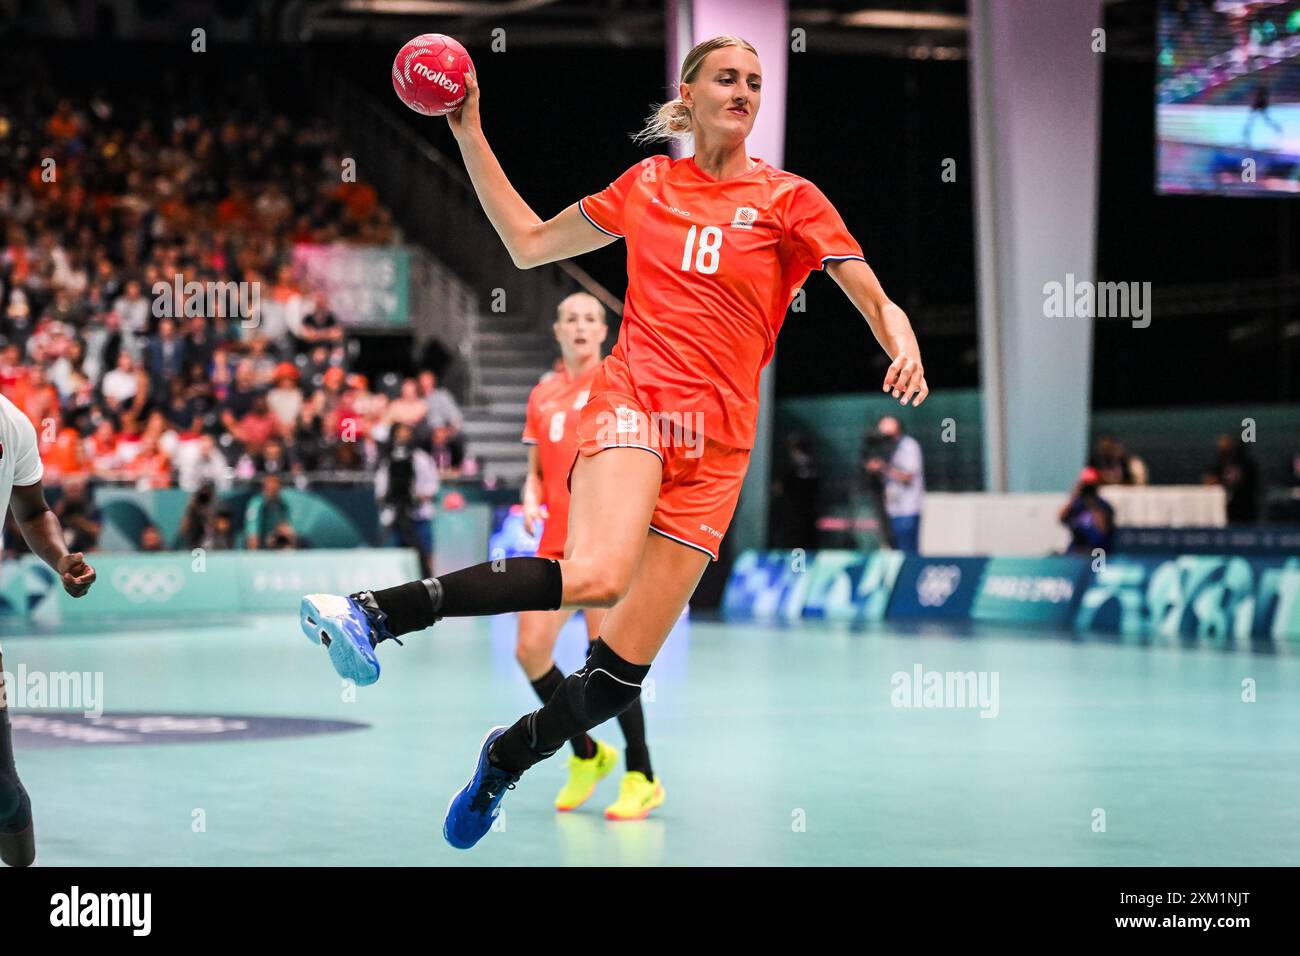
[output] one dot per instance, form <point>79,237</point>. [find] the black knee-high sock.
<point>15,808</point>
<point>546,686</point>
<point>604,688</point>
<point>493,587</point>
<point>632,723</point>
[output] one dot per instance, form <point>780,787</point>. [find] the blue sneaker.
<point>350,628</point>
<point>472,810</point>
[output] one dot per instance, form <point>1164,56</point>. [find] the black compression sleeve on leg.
<point>498,587</point>
<point>604,688</point>
<point>493,587</point>
<point>15,808</point>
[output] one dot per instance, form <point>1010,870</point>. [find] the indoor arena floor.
<point>776,745</point>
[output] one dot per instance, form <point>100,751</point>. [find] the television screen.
<point>1228,97</point>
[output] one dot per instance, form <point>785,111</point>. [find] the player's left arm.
<point>889,324</point>
<point>44,535</point>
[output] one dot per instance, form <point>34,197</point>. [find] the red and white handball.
<point>429,74</point>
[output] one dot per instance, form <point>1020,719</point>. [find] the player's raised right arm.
<point>530,241</point>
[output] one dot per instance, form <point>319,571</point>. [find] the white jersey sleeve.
<point>20,456</point>
<point>27,456</point>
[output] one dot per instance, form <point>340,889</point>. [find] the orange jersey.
<point>711,269</point>
<point>552,425</point>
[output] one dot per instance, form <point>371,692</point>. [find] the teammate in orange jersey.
<point>551,432</point>
<point>717,245</point>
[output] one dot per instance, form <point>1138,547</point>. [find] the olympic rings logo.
<point>937,583</point>
<point>139,585</point>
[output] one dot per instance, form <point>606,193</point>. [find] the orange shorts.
<point>555,524</point>
<point>701,478</point>
<point>554,532</point>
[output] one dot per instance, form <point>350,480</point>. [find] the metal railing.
<point>445,308</point>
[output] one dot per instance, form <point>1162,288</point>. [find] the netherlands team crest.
<point>745,217</point>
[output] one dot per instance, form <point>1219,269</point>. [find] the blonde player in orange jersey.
<point>717,245</point>
<point>551,432</point>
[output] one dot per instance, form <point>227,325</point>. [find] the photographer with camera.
<point>1088,515</point>
<point>268,521</point>
<point>896,480</point>
<point>405,484</point>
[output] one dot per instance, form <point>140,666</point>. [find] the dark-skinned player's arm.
<point>43,534</point>
<point>889,324</point>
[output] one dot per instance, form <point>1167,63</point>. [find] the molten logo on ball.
<point>429,74</point>
<point>441,79</point>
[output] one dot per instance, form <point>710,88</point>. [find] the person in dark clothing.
<point>1237,472</point>
<point>273,459</point>
<point>164,358</point>
<point>80,518</point>
<point>319,326</point>
<point>182,408</point>
<point>1259,110</point>
<point>307,447</point>
<point>795,496</point>
<point>1110,462</point>
<point>405,485</point>
<point>198,345</point>
<point>196,523</point>
<point>1088,515</point>
<point>243,394</point>
<point>223,531</point>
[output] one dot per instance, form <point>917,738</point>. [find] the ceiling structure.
<point>913,29</point>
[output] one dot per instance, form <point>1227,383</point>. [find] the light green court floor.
<point>776,746</point>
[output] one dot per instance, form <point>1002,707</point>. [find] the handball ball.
<point>429,74</point>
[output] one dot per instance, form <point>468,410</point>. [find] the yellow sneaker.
<point>584,775</point>
<point>637,796</point>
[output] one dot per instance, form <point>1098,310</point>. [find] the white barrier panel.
<point>1027,525</point>
<point>1168,506</point>
<point>1004,525</point>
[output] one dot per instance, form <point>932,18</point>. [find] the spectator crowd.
<point>104,218</point>
<point>112,211</point>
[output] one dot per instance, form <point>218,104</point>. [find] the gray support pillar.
<point>1035,105</point>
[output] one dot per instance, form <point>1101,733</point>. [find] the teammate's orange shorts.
<point>701,478</point>
<point>555,529</point>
